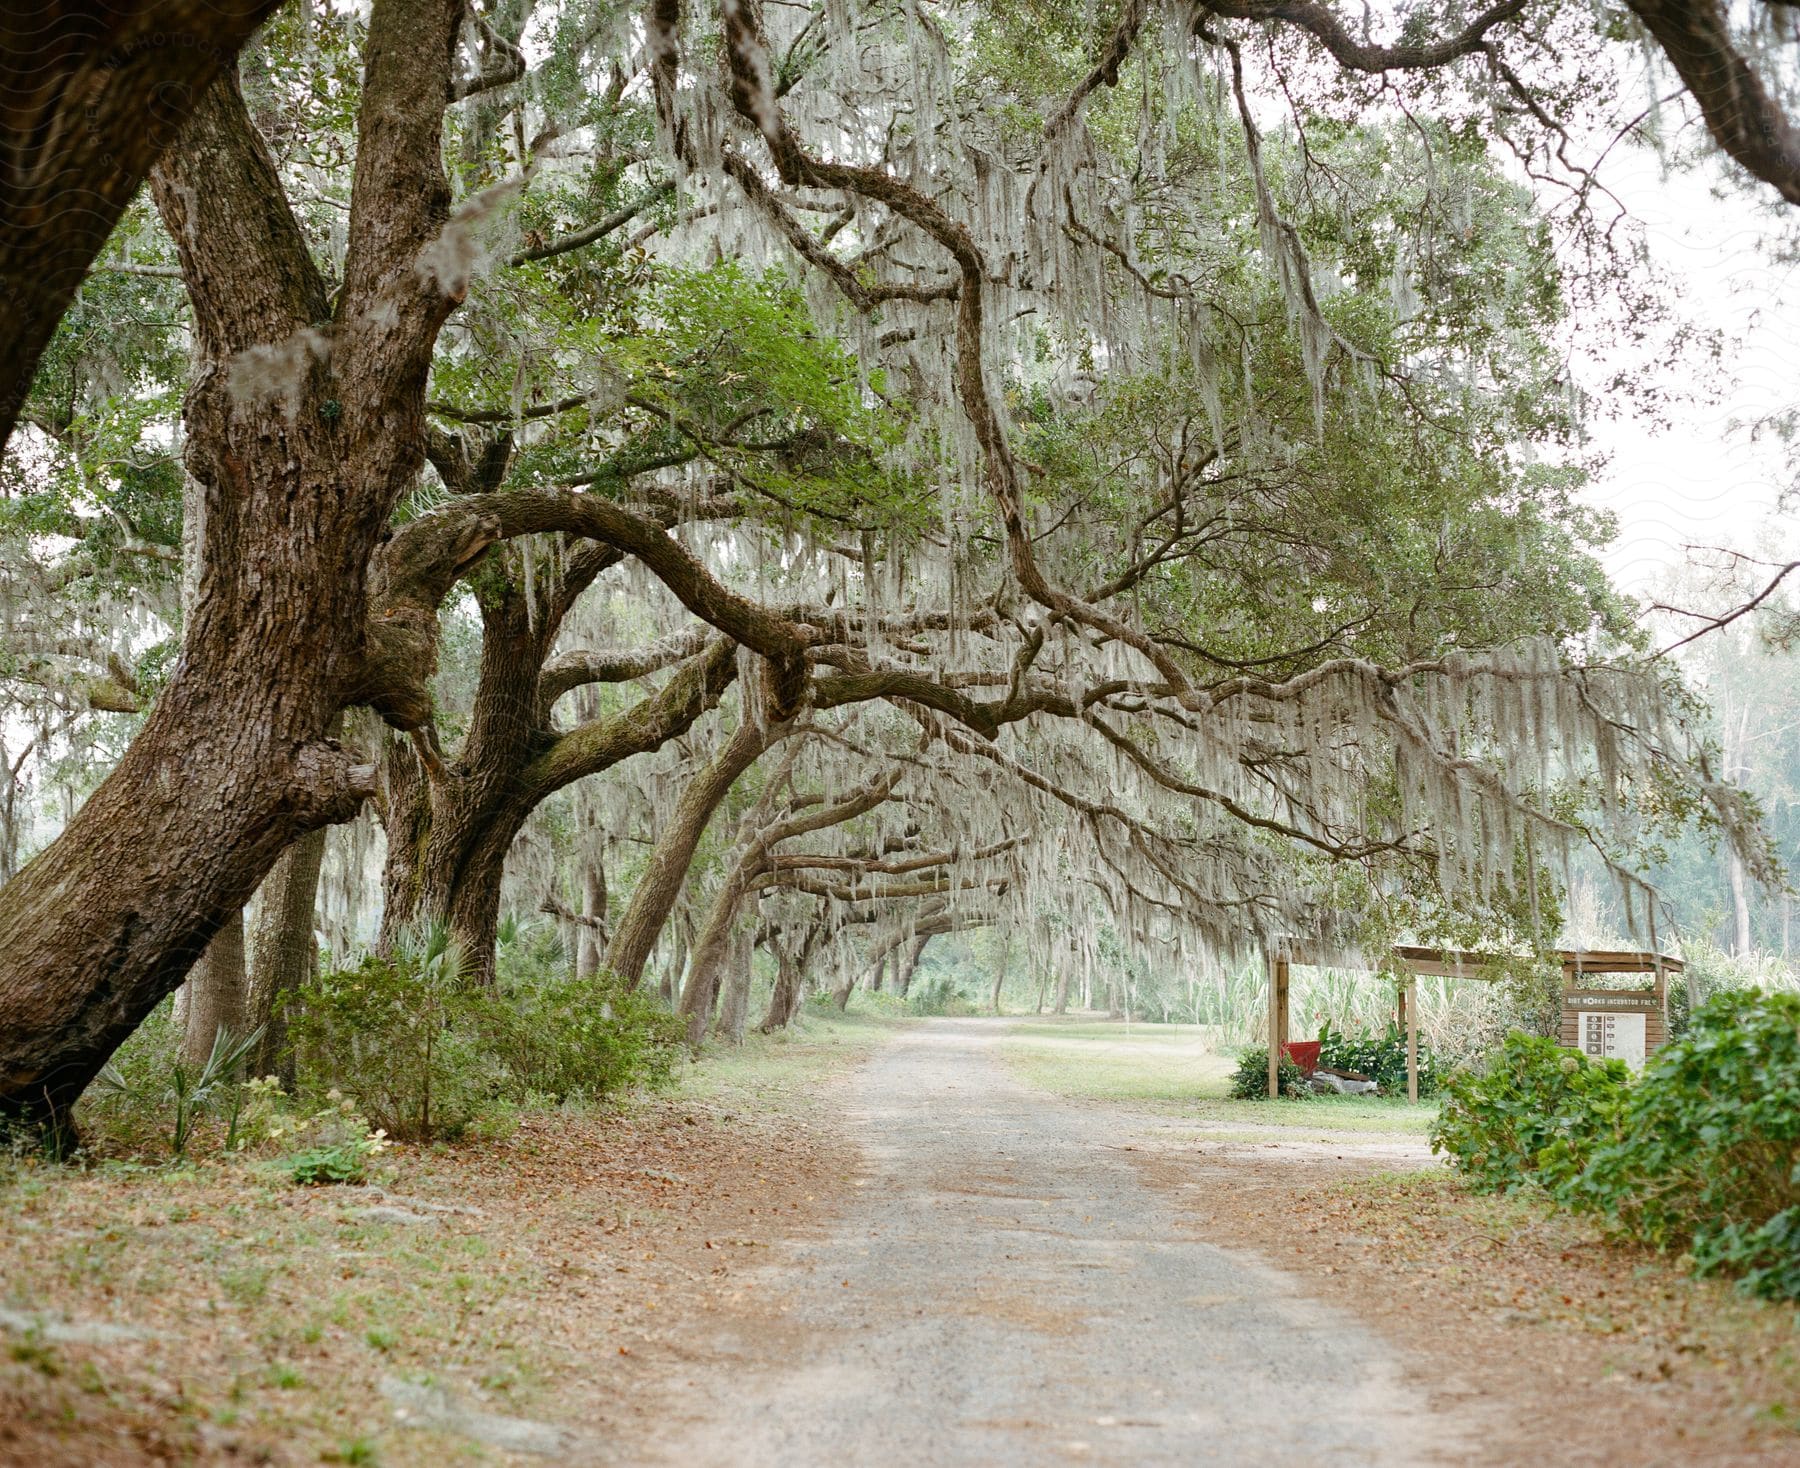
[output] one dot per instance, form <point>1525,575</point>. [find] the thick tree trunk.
<point>784,998</point>
<point>734,1008</point>
<point>301,463</point>
<point>790,980</point>
<point>90,95</point>
<point>283,951</point>
<point>450,828</point>
<point>658,889</point>
<point>216,994</point>
<point>914,952</point>
<point>711,950</point>
<point>1062,990</point>
<point>449,831</point>
<point>217,990</point>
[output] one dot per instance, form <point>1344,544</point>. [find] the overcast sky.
<point>1700,479</point>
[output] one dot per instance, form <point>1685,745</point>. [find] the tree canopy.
<point>830,475</point>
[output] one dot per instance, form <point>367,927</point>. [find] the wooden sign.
<point>1614,1024</point>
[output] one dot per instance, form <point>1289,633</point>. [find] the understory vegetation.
<point>1699,1156</point>
<point>1376,1055</point>
<point>401,1046</point>
<point>427,1052</point>
<point>555,550</point>
<point>525,1274</point>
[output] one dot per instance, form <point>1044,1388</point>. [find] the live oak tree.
<point>301,468</point>
<point>1122,377</point>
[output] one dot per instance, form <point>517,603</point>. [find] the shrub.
<point>398,1033</point>
<point>1706,1157</point>
<point>429,1054</point>
<point>1496,1124</point>
<point>939,996</point>
<point>318,1166</point>
<point>1250,1081</point>
<point>1382,1058</point>
<point>561,1038</point>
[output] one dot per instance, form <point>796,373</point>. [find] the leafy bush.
<point>400,1033</point>
<point>429,1054</point>
<point>1382,1058</point>
<point>939,996</point>
<point>1497,1124</point>
<point>1250,1081</point>
<point>1706,1155</point>
<point>561,1038</point>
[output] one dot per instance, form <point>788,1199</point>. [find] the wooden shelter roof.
<point>1449,963</point>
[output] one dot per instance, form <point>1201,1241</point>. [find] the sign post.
<point>1613,1024</point>
<point>1278,1021</point>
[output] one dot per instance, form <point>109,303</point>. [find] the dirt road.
<point>1007,1290</point>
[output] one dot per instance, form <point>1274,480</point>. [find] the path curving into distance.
<point>1006,1290</point>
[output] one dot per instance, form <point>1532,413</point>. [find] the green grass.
<point>780,1071</point>
<point>1178,1070</point>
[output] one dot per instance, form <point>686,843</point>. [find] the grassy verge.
<point>782,1072</point>
<point>1179,1070</point>
<point>212,1311</point>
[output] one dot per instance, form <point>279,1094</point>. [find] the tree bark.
<point>668,987</point>
<point>450,830</point>
<point>1742,940</point>
<point>657,890</point>
<point>915,951</point>
<point>1743,115</point>
<point>708,956</point>
<point>91,92</point>
<point>216,993</point>
<point>589,953</point>
<point>790,980</point>
<point>303,437</point>
<point>283,952</point>
<point>734,1010</point>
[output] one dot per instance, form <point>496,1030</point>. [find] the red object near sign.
<point>1304,1053</point>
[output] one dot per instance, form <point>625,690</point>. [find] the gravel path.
<point>1005,1289</point>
